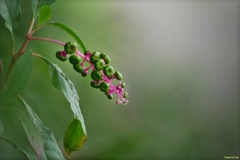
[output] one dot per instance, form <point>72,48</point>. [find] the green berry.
<point>123,85</point>
<point>61,55</point>
<point>94,84</point>
<point>109,96</point>
<point>125,95</point>
<point>74,59</point>
<point>84,74</point>
<point>108,71</point>
<point>96,75</point>
<point>118,75</point>
<point>99,64</point>
<point>106,58</point>
<point>104,86</point>
<point>78,68</point>
<point>70,47</point>
<point>95,56</point>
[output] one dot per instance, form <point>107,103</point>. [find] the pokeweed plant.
<point>97,65</point>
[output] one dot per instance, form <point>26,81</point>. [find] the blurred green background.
<point>179,61</point>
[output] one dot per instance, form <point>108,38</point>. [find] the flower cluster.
<point>102,73</point>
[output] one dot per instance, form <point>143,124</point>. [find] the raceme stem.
<point>47,39</point>
<point>54,41</point>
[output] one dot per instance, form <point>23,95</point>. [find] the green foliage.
<point>37,4</point>
<point>20,75</point>
<point>41,138</point>
<point>10,10</point>
<point>74,137</point>
<point>34,136</point>
<point>27,152</point>
<point>62,83</point>
<point>42,141</point>
<point>45,14</point>
<point>47,140</point>
<point>70,32</point>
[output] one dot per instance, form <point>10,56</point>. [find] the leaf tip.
<point>68,152</point>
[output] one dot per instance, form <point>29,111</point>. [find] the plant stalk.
<point>12,46</point>
<point>19,53</point>
<point>1,75</point>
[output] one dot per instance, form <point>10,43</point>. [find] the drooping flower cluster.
<point>102,73</point>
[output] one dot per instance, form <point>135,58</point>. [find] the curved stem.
<point>47,39</point>
<point>54,41</point>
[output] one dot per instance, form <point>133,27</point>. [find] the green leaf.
<point>45,14</point>
<point>62,83</point>
<point>73,138</point>
<point>51,149</point>
<point>10,10</point>
<point>37,4</point>
<point>25,151</point>
<point>20,75</point>
<point>70,32</point>
<point>1,127</point>
<point>33,134</point>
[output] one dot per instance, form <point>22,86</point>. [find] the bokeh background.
<point>179,60</point>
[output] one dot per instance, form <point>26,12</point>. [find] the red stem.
<point>47,39</point>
